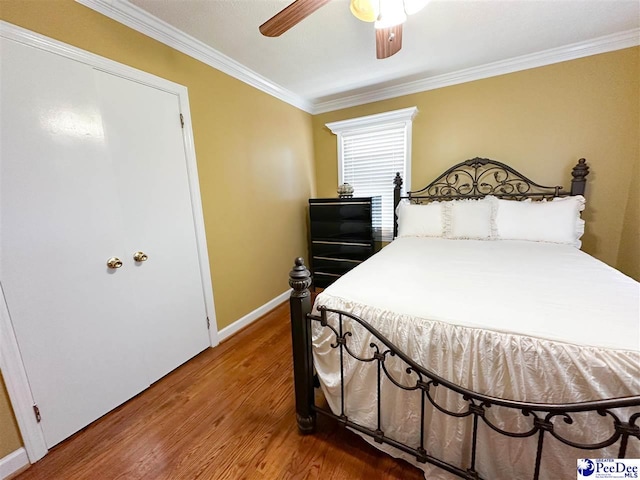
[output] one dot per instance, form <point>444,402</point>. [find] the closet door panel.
<point>144,134</point>
<point>60,221</point>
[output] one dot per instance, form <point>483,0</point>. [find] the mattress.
<point>526,321</point>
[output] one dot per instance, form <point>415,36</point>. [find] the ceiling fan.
<point>388,15</point>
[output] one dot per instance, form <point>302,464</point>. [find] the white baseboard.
<point>13,463</point>
<point>251,317</point>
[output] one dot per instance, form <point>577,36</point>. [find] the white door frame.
<point>10,361</point>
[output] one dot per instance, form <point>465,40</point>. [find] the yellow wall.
<point>254,153</point>
<point>540,121</point>
<point>629,253</point>
<point>9,434</point>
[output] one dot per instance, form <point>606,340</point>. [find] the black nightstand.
<point>344,233</point>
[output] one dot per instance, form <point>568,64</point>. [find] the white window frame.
<point>393,118</point>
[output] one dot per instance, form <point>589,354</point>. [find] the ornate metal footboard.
<point>621,414</point>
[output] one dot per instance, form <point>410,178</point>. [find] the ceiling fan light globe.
<point>363,10</point>
<point>391,14</point>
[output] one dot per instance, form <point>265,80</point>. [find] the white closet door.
<point>93,166</point>
<point>144,134</point>
<point>59,222</point>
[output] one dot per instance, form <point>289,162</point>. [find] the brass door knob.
<point>140,257</point>
<point>114,262</point>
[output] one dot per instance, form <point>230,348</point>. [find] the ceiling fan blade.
<point>290,16</point>
<point>388,41</point>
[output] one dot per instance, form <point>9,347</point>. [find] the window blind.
<point>370,159</point>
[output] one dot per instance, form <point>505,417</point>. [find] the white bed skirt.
<point>514,360</point>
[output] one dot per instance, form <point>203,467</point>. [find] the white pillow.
<point>557,221</point>
<point>473,219</point>
<point>420,220</point>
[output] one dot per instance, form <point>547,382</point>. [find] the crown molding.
<point>138,19</point>
<point>608,43</point>
<point>143,22</point>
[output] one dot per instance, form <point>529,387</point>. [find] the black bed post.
<point>300,304</point>
<point>579,180</point>
<point>397,191</point>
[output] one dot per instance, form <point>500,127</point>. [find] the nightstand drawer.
<point>341,250</point>
<point>322,280</point>
<point>333,266</point>
<point>341,211</point>
<point>340,230</point>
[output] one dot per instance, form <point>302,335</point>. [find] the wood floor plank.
<point>226,414</point>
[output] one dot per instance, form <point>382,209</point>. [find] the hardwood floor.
<point>226,414</point>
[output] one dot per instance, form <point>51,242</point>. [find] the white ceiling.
<point>329,58</point>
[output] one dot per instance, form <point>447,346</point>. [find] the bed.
<point>477,344</point>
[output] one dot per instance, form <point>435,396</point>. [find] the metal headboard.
<point>479,177</point>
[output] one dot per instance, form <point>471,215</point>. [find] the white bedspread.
<point>520,320</point>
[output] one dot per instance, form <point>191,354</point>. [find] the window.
<point>371,150</point>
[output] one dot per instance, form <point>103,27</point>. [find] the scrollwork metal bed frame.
<point>473,178</point>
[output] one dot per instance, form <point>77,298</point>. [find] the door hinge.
<point>181,121</point>
<point>36,411</point>
<point>208,323</point>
